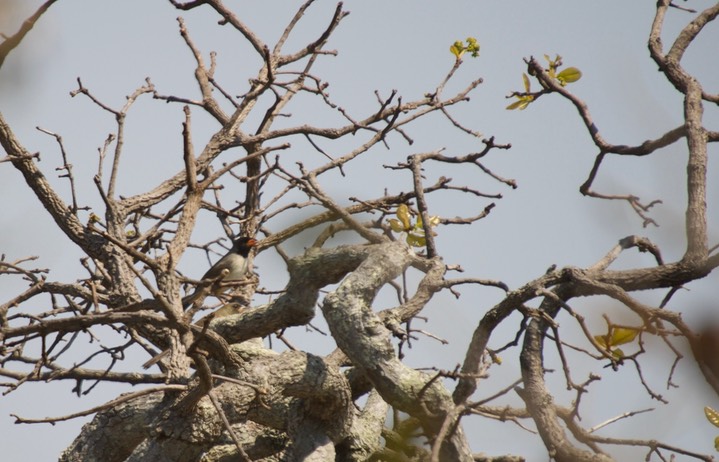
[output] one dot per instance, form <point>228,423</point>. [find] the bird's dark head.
<point>243,245</point>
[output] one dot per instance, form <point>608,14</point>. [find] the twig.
<point>109,405</point>
<point>242,454</point>
<point>617,418</point>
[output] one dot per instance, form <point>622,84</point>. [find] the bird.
<point>233,266</point>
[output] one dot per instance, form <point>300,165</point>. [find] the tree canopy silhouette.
<point>269,171</point>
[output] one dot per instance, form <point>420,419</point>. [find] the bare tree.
<point>220,393</point>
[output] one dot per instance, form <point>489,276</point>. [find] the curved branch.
<point>362,337</point>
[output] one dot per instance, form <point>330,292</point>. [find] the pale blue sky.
<point>403,45</point>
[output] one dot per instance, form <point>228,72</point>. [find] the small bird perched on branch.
<point>234,266</point>
<point>236,261</point>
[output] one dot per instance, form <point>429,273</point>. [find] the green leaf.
<point>554,64</point>
<point>712,416</point>
<point>473,46</point>
<point>457,49</point>
<point>569,75</point>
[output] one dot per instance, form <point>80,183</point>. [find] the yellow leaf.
<point>403,215</point>
<point>433,221</point>
<point>712,416</point>
<point>526,82</point>
<point>601,341</point>
<point>418,230</point>
<point>396,225</point>
<point>520,104</point>
<point>622,335</point>
<point>618,353</point>
<point>716,444</point>
<point>569,75</point>
<point>416,241</point>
